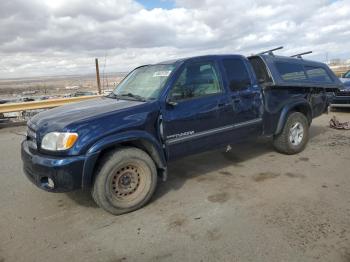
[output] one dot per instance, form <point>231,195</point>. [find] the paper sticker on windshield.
<point>161,73</point>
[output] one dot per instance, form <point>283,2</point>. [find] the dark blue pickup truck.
<point>119,145</point>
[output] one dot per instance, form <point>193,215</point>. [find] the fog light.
<point>50,183</point>
<point>47,183</point>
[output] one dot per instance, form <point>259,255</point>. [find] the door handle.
<point>222,104</point>
<point>236,100</point>
<point>250,94</point>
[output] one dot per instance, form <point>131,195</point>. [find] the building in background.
<point>339,66</point>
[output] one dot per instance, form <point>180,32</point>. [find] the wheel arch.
<point>138,139</point>
<point>299,106</point>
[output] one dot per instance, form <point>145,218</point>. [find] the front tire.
<point>294,135</point>
<point>125,180</point>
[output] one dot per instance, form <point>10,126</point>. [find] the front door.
<point>197,112</point>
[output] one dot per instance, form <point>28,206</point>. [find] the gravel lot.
<point>251,204</point>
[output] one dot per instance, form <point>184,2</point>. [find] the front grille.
<point>31,137</point>
<point>343,93</point>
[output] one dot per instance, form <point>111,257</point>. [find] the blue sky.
<point>169,4</point>
<point>165,4</point>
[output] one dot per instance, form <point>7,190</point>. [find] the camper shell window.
<point>291,72</point>
<point>317,74</point>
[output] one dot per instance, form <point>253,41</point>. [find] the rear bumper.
<point>65,172</point>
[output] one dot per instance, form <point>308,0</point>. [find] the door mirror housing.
<point>171,102</point>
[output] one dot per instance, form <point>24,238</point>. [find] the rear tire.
<point>125,180</point>
<point>294,135</point>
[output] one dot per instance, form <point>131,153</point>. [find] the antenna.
<point>270,52</point>
<point>301,54</point>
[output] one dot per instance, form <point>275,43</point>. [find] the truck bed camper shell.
<point>283,71</point>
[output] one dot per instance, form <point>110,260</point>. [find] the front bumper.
<point>65,172</point>
<point>341,101</point>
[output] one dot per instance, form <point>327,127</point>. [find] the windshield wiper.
<point>136,97</point>
<point>112,95</point>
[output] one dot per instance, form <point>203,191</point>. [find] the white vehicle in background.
<point>72,87</point>
<point>107,92</point>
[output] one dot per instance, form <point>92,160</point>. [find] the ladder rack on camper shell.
<point>301,54</point>
<point>270,52</point>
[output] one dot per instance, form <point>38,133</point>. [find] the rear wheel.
<point>294,135</point>
<point>125,181</point>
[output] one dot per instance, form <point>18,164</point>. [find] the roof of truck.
<point>322,75</point>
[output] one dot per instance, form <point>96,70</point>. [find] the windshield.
<point>145,82</point>
<point>347,75</point>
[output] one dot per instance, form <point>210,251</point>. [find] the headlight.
<point>56,141</point>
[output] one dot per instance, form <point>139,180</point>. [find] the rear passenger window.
<point>260,70</point>
<point>196,80</point>
<point>317,74</point>
<point>291,72</point>
<point>236,73</point>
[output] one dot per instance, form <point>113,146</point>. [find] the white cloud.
<point>63,36</point>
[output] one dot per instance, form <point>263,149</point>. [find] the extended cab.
<point>118,145</point>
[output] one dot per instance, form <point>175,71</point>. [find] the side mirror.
<point>171,102</point>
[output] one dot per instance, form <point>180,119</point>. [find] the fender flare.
<point>300,106</point>
<point>153,148</point>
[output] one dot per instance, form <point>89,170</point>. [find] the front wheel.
<point>125,180</point>
<point>294,135</point>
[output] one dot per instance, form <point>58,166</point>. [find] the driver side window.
<point>196,80</point>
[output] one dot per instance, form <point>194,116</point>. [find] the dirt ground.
<point>251,204</point>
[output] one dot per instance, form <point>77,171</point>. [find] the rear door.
<point>198,110</point>
<point>246,96</point>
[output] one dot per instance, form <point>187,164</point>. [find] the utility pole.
<point>98,77</point>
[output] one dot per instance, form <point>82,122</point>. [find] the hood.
<point>60,117</point>
<point>96,118</point>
